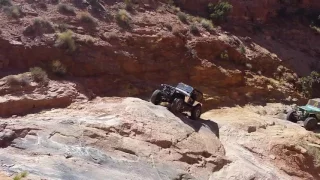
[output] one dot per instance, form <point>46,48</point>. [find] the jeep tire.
<point>177,105</point>
<point>310,123</point>
<point>196,112</point>
<point>291,116</point>
<point>156,97</point>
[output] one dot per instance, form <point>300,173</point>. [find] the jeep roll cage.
<point>185,90</point>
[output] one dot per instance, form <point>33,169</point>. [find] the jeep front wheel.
<point>310,123</point>
<point>196,112</point>
<point>156,97</point>
<point>292,116</point>
<point>177,105</point>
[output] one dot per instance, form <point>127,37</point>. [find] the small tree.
<point>307,83</point>
<point>123,19</point>
<point>183,17</point>
<point>220,11</point>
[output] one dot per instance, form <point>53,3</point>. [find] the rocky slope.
<point>96,48</point>
<point>156,47</point>
<point>128,138</point>
<point>96,140</point>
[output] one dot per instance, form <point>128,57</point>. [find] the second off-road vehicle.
<point>180,98</point>
<point>309,114</point>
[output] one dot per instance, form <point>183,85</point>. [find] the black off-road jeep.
<point>180,98</point>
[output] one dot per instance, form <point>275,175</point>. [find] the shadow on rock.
<point>198,124</point>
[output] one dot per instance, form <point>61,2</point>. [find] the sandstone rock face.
<point>114,138</point>
<point>128,138</point>
<point>261,146</point>
<point>258,10</point>
<point>21,95</point>
<point>159,48</point>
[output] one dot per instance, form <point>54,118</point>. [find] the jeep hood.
<point>310,108</point>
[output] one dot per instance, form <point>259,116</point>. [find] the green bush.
<point>170,2</point>
<point>66,39</point>
<point>207,24</point>
<point>194,29</point>
<point>307,83</point>
<point>63,27</point>
<point>13,11</point>
<point>39,75</point>
<point>18,80</point>
<point>242,49</point>
<point>40,26</point>
<point>66,9</point>
<point>87,18</point>
<point>58,68</point>
<point>224,55</point>
<point>183,17</point>
<point>21,175</point>
<point>5,3</point>
<point>123,18</point>
<point>220,11</point>
<point>129,5</point>
<point>24,174</point>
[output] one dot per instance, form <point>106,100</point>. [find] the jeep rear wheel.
<point>177,105</point>
<point>310,123</point>
<point>156,97</point>
<point>292,116</point>
<point>196,112</point>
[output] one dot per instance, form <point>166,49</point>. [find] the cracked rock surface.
<point>110,139</point>
<point>128,138</point>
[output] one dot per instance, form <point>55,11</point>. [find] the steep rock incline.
<point>261,146</point>
<point>156,48</point>
<point>128,138</point>
<point>110,138</point>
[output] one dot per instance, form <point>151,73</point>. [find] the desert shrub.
<point>66,39</point>
<point>17,177</point>
<point>24,174</point>
<point>219,12</point>
<point>39,75</point>
<point>195,19</point>
<point>5,3</point>
<point>58,68</point>
<point>192,52</point>
<point>170,2</point>
<point>66,9</point>
<point>129,5</point>
<point>307,83</point>
<point>207,24</point>
<point>63,27</point>
<point>123,18</point>
<point>13,11</point>
<point>224,55</point>
<point>87,18</point>
<point>194,29</point>
<point>21,175</point>
<point>40,26</point>
<point>18,80</point>
<point>183,17</point>
<point>242,49</point>
<point>88,39</point>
